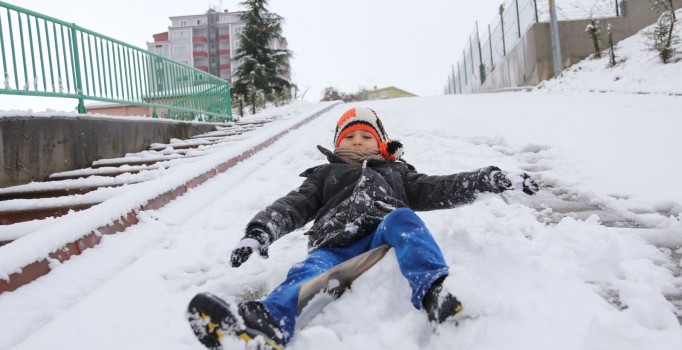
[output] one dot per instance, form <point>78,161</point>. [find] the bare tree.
<point>594,33</point>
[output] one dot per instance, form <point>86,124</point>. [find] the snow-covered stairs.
<point>79,189</point>
<point>48,222</point>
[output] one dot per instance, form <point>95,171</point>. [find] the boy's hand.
<point>517,182</point>
<point>246,247</point>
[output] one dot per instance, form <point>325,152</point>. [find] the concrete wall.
<point>640,14</point>
<point>530,61</point>
<point>32,148</point>
<point>122,110</point>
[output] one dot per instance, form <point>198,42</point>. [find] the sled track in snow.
<point>553,205</point>
<point>31,271</point>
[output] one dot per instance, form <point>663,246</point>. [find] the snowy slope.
<point>638,70</point>
<point>528,276</point>
<point>591,262</point>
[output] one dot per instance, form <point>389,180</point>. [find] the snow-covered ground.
<point>638,70</point>
<point>591,262</point>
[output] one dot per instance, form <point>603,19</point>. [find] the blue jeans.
<point>419,258</point>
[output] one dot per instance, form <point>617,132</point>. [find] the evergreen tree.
<point>663,37</point>
<point>262,68</point>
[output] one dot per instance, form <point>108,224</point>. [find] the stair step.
<point>181,146</point>
<point>9,217</point>
<point>122,161</point>
<point>49,193</point>
<point>112,173</point>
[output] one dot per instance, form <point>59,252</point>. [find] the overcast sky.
<point>409,44</point>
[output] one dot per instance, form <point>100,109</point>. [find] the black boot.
<point>440,304</point>
<point>211,318</point>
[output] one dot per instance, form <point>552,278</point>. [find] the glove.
<point>523,182</point>
<point>255,239</point>
<point>517,182</point>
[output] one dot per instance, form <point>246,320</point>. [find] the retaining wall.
<point>32,148</point>
<point>530,61</point>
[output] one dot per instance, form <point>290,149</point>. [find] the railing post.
<point>464,55</point>
<point>4,59</point>
<point>481,66</point>
<point>23,52</point>
<point>77,69</point>
<point>471,53</point>
<point>459,77</point>
<point>504,44</point>
<point>454,83</point>
<point>490,40</point>
<point>617,8</point>
<point>518,18</point>
<point>14,56</point>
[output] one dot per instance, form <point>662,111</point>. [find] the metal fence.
<point>44,56</point>
<point>488,45</point>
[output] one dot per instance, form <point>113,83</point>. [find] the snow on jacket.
<point>348,201</point>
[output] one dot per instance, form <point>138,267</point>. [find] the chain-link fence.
<point>488,45</point>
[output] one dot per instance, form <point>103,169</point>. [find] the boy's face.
<point>359,140</point>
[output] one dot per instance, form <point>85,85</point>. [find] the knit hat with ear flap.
<point>366,119</point>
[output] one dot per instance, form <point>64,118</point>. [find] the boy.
<point>362,199</point>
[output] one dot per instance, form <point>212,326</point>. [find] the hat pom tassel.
<point>392,150</point>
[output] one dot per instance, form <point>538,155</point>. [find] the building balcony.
<point>224,52</point>
<point>225,66</point>
<point>204,68</point>
<point>199,39</point>
<point>199,54</point>
<point>223,37</point>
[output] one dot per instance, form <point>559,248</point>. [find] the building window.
<point>180,49</point>
<point>183,23</point>
<point>158,49</point>
<point>384,94</point>
<point>198,21</point>
<point>180,34</point>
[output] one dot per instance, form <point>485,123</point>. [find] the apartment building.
<point>207,42</point>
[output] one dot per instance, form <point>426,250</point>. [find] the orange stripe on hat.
<point>344,118</point>
<point>354,127</point>
<point>358,116</point>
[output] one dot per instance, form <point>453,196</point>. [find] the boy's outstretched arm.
<point>284,215</point>
<point>427,192</point>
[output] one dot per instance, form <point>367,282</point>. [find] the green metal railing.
<point>44,56</point>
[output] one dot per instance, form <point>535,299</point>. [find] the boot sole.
<point>211,319</point>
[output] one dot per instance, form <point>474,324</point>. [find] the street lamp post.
<point>556,45</point>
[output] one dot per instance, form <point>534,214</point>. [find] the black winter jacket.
<point>348,201</point>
